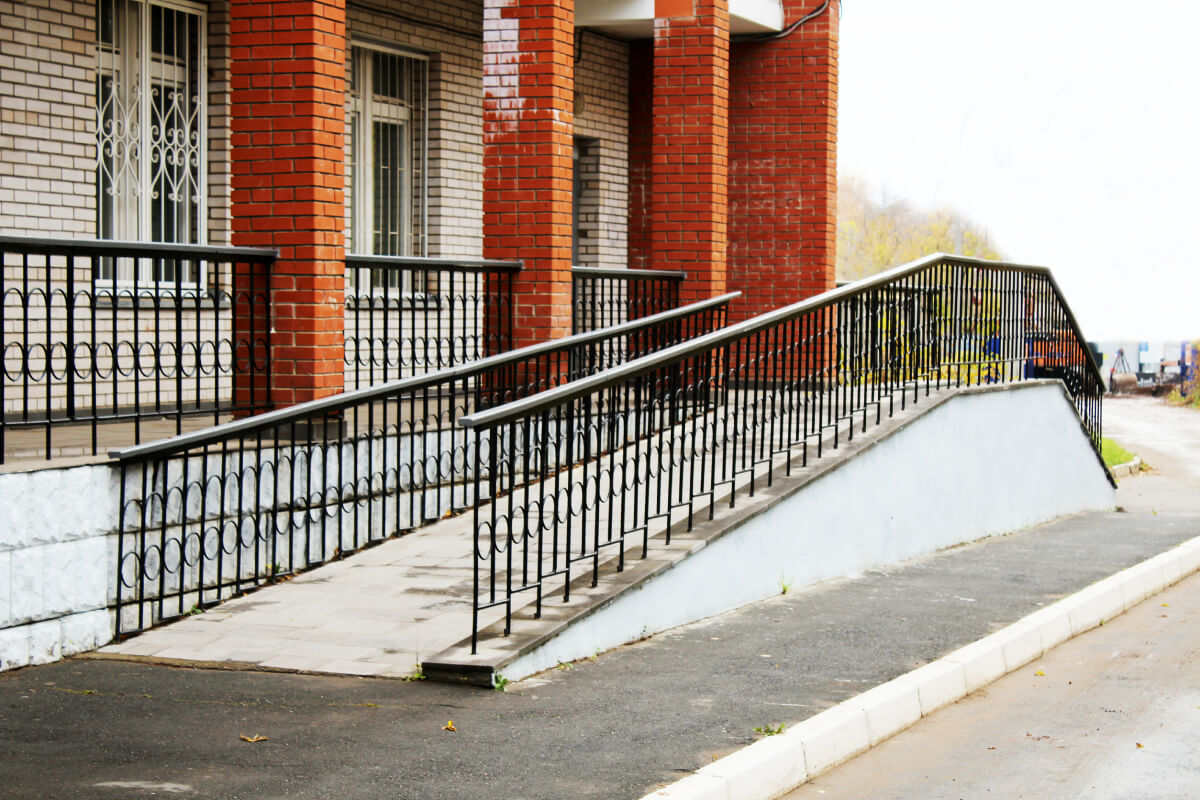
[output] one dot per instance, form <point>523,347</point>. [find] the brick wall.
<point>47,118</point>
<point>288,120</point>
<point>602,118</point>
<point>450,34</point>
<point>219,166</point>
<point>641,121</point>
<point>690,153</point>
<point>528,100</point>
<point>783,163</point>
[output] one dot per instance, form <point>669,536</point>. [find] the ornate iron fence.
<point>580,473</point>
<point>101,332</point>
<point>410,316</point>
<point>210,514</point>
<point>605,297</point>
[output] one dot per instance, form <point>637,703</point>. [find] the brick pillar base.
<point>528,101</point>
<point>783,163</point>
<point>690,142</point>
<point>288,118</point>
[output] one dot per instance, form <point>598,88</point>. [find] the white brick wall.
<point>450,33</point>
<point>47,117</point>
<point>602,115</point>
<point>57,556</point>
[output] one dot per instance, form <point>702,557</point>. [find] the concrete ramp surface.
<point>956,466</point>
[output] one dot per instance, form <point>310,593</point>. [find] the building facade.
<point>683,135</point>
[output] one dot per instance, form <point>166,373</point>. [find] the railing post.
<point>70,324</point>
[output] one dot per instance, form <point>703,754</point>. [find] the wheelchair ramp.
<point>956,466</point>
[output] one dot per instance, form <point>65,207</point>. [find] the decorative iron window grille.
<point>150,135</point>
<point>387,110</point>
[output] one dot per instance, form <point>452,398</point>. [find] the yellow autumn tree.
<point>874,235</point>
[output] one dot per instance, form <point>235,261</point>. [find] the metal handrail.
<point>612,461</point>
<point>629,274</point>
<point>362,261</point>
<point>43,245</point>
<point>616,375</point>
<point>311,408</point>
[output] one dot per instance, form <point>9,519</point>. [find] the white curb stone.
<point>1054,626</point>
<point>1021,643</point>
<point>938,684</point>
<point>982,663</point>
<point>757,770</point>
<point>890,708</point>
<point>774,766</point>
<point>694,787</point>
<point>831,737</point>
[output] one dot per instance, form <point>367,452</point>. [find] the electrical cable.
<point>788,31</point>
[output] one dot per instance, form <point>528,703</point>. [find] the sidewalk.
<point>617,727</point>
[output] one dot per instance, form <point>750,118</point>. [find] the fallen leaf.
<point>991,748</point>
<point>1165,605</point>
<point>1139,745</point>
<point>256,739</point>
<point>1040,674</point>
<point>449,726</point>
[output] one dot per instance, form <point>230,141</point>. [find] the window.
<point>387,150</point>
<point>149,132</point>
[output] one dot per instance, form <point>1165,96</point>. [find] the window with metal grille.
<point>150,133</point>
<point>386,111</point>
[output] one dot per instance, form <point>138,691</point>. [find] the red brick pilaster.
<point>288,119</point>
<point>528,124</point>
<point>641,152</point>
<point>783,163</point>
<point>690,142</point>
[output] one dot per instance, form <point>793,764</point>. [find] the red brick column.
<point>528,123</point>
<point>690,144</point>
<point>783,163</point>
<point>641,153</point>
<point>288,119</point>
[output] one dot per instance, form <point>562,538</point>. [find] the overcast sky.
<point>1068,129</point>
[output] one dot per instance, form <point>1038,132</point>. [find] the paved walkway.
<point>384,611</point>
<point>614,727</point>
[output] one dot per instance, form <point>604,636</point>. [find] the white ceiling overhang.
<point>634,19</point>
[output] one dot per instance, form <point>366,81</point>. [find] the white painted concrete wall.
<point>57,556</point>
<point>982,463</point>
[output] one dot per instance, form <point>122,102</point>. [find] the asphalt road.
<point>1115,713</point>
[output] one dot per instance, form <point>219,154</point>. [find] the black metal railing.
<point>604,297</point>
<point>101,332</point>
<point>212,513</point>
<point>575,476</point>
<point>410,316</point>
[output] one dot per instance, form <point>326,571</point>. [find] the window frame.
<point>131,54</point>
<point>363,111</point>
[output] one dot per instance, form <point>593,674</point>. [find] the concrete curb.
<point>775,765</point>
<point>1127,469</point>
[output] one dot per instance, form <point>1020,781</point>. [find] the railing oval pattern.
<point>607,464</point>
<point>290,489</point>
<point>80,351</point>
<point>411,316</point>
<point>601,298</point>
